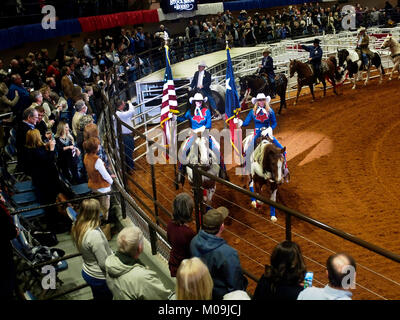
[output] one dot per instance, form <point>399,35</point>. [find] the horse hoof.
<point>391,79</point>
<point>274,219</point>
<point>254,204</point>
<point>353,88</point>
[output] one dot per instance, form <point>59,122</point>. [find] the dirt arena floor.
<point>344,156</point>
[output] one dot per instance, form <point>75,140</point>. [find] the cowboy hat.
<point>361,29</point>
<point>202,63</point>
<point>267,50</point>
<point>261,96</point>
<point>243,11</point>
<point>316,41</point>
<point>197,97</point>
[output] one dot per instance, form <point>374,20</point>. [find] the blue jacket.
<point>197,121</point>
<point>24,99</point>
<point>315,54</point>
<point>222,262</point>
<point>268,65</point>
<point>206,82</point>
<point>261,120</point>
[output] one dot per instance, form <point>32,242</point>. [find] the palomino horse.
<point>394,47</point>
<point>253,84</point>
<point>267,168</point>
<point>350,62</point>
<point>305,75</point>
<point>200,154</point>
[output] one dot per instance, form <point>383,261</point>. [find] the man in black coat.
<point>30,118</point>
<point>202,81</point>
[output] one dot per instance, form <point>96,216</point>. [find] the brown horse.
<point>305,75</point>
<point>257,84</point>
<point>267,168</point>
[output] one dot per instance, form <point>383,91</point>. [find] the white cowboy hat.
<point>202,64</point>
<point>267,50</point>
<point>197,97</point>
<point>361,29</point>
<point>261,96</point>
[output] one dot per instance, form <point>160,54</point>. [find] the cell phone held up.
<point>308,279</point>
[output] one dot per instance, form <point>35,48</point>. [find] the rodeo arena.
<point>200,150</point>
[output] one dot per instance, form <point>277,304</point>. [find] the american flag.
<point>169,103</point>
<point>232,103</point>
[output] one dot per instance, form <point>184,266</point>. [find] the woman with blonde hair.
<point>93,245</point>
<point>193,281</point>
<point>68,153</point>
<point>264,122</point>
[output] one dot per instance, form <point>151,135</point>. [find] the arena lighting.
<point>314,144</point>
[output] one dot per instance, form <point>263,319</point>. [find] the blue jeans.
<point>99,287</point>
<point>364,59</point>
<point>129,145</point>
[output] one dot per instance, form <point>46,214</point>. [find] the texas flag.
<point>232,103</point>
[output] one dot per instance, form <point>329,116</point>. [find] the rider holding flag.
<point>264,122</point>
<point>199,116</point>
<point>315,57</point>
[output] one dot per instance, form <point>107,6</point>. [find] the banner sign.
<point>169,6</point>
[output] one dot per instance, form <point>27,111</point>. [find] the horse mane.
<point>268,149</point>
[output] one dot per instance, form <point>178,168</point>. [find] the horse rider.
<point>264,118</point>
<point>315,57</point>
<point>267,67</point>
<point>202,81</point>
<point>200,119</point>
<point>362,46</point>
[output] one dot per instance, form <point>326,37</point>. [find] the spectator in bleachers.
<point>43,124</point>
<point>341,272</point>
<point>193,281</point>
<point>127,137</point>
<point>284,276</point>
<point>6,105</point>
<point>30,118</point>
<point>139,38</point>
<point>76,74</point>
<point>179,233</point>
<point>24,99</point>
<point>99,180</point>
<point>127,277</point>
<point>93,245</point>
<point>66,83</point>
<point>221,259</point>
<point>42,168</point>
<point>67,153</point>
<point>80,111</point>
<point>83,122</point>
<point>86,49</point>
<point>8,232</point>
